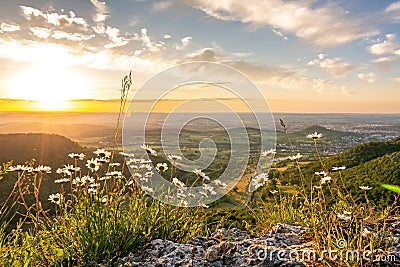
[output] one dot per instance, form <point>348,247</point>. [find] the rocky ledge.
<point>282,246</point>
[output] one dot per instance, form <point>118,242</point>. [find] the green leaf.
<point>393,188</point>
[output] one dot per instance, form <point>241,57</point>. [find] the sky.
<point>304,56</point>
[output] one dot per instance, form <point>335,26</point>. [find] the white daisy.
<point>93,165</point>
<point>315,135</point>
<point>56,198</point>
<point>162,167</point>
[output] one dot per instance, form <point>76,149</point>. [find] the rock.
<point>282,246</point>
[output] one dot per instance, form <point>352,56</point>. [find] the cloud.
<point>279,33</point>
<point>185,43</point>
<point>53,18</point>
<point>101,14</point>
<point>393,7</point>
<point>369,77</point>
<point>383,60</point>
<point>205,54</point>
<point>282,77</point>
<point>325,25</point>
<point>388,46</point>
<point>71,36</point>
<point>335,66</point>
<point>40,32</point>
<point>9,27</point>
<point>162,5</point>
<point>167,36</point>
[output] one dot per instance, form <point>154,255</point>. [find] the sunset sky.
<point>305,56</point>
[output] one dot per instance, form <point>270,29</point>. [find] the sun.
<point>50,87</point>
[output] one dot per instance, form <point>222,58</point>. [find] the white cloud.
<point>167,36</point>
<point>9,27</point>
<point>335,66</point>
<point>383,60</point>
<point>205,54</point>
<point>115,38</point>
<point>162,5</point>
<point>101,13</point>
<point>388,46</point>
<point>53,18</point>
<point>185,43</point>
<point>40,32</point>
<point>369,77</point>
<point>71,36</point>
<point>326,25</point>
<point>393,7</point>
<point>282,77</point>
<point>279,33</point>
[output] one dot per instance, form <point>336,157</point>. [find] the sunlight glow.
<point>50,86</point>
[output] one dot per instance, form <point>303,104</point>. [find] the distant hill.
<point>47,149</point>
<point>327,133</point>
<point>83,133</point>
<point>370,163</point>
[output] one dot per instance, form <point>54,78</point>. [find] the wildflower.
<point>205,206</point>
<point>76,156</point>
<point>102,153</point>
<point>63,172</point>
<point>366,232</point>
<point>174,157</point>
<point>344,217</point>
<point>321,173</point>
<point>92,190</point>
<point>93,165</point>
<point>218,182</point>
<point>201,174</point>
<point>41,169</point>
<point>127,155</point>
<point>296,157</point>
<point>315,135</point>
<point>274,192</point>
<point>269,152</point>
<point>325,179</point>
<point>62,180</point>
<point>149,174</point>
<point>115,164</point>
<point>114,174</point>
<point>178,183</point>
<point>209,188</point>
<point>71,168</point>
<point>148,189</point>
<point>149,150</point>
<point>183,203</point>
<point>259,180</point>
<point>56,198</point>
<point>162,167</point>
<point>365,187</point>
<point>79,182</point>
<point>317,187</point>
<point>104,200</point>
<point>338,168</point>
<point>348,213</point>
<point>17,168</point>
<point>130,183</point>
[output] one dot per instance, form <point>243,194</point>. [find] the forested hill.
<point>369,164</point>
<point>46,149</point>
